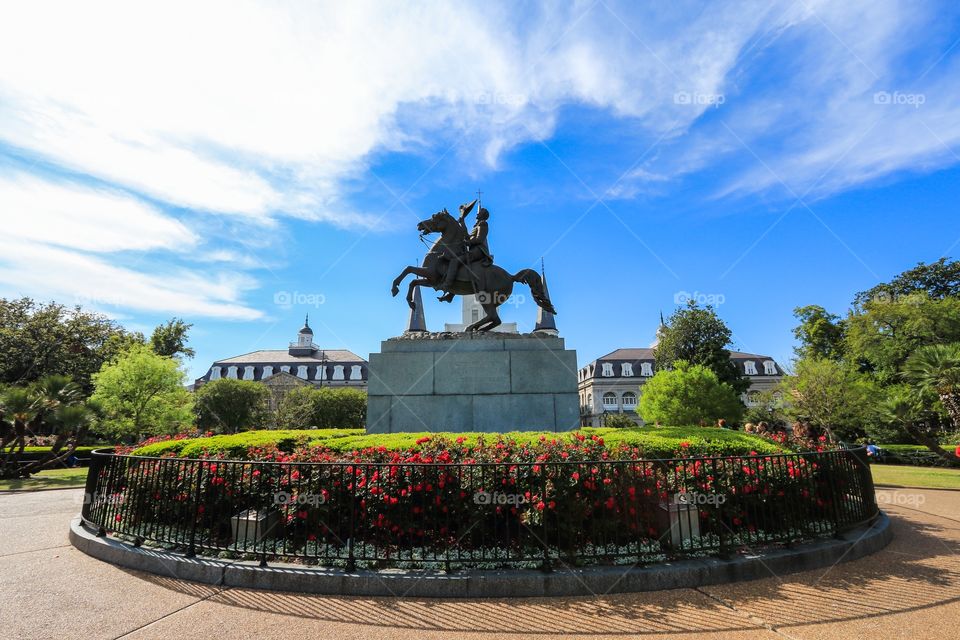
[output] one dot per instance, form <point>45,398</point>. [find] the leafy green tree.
<point>142,393</point>
<point>323,407</point>
<point>618,421</point>
<point>937,281</point>
<point>38,340</point>
<point>698,336</point>
<point>882,334</point>
<point>229,406</point>
<point>688,394</point>
<point>832,396</point>
<point>820,333</point>
<point>170,339</point>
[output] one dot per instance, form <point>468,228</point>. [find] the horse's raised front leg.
<point>418,271</point>
<point>413,285</point>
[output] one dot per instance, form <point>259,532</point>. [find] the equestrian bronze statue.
<point>460,263</point>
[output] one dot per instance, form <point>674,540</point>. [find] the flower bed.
<point>474,501</point>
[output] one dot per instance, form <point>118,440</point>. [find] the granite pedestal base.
<point>464,382</point>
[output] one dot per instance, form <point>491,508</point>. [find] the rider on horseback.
<point>475,251</point>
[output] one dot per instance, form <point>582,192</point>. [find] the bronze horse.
<point>496,283</point>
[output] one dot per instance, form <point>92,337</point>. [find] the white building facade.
<point>613,383</point>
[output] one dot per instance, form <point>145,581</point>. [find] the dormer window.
<point>750,367</point>
<point>607,370</point>
<point>355,372</point>
<point>626,370</point>
<point>769,367</point>
<point>646,369</point>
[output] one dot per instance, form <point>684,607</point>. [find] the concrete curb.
<point>488,584</point>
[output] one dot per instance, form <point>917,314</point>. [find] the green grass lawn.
<point>49,479</point>
<point>922,477</point>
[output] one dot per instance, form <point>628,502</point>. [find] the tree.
<point>698,336</point>
<point>229,406</point>
<point>38,340</point>
<point>935,370</point>
<point>142,393</point>
<point>937,281</point>
<point>820,333</point>
<point>170,339</point>
<point>323,407</point>
<point>905,408</point>
<point>618,421</point>
<point>688,394</point>
<point>882,334</point>
<point>55,405</point>
<point>832,396</point>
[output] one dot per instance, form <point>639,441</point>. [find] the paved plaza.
<point>911,589</point>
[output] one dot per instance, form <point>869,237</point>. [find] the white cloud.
<point>41,271</point>
<point>247,108</point>
<point>85,218</point>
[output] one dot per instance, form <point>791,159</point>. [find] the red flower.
<point>957,452</point>
<point>118,517</point>
<point>685,445</point>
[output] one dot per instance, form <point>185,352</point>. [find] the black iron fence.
<point>485,515</point>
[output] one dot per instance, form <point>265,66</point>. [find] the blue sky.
<point>205,162</point>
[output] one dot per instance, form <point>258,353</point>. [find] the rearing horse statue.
<point>491,284</point>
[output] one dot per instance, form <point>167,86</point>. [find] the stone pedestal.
<point>464,382</point>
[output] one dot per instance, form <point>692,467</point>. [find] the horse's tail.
<point>532,279</point>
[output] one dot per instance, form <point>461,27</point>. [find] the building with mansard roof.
<point>301,363</point>
<point>613,383</point>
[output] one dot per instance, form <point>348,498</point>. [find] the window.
<point>750,367</point>
<point>590,401</point>
<point>302,371</point>
<point>215,373</point>
<point>355,372</point>
<point>232,372</point>
<point>475,314</point>
<point>285,368</point>
<point>267,372</point>
<point>626,370</point>
<point>321,373</point>
<point>607,370</point>
<point>629,400</point>
<point>753,398</point>
<point>769,367</point>
<point>646,369</point>
<point>338,372</point>
<point>610,400</point>
<point>248,373</point>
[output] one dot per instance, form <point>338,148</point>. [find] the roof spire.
<point>417,322</point>
<point>306,320</point>
<point>546,322</point>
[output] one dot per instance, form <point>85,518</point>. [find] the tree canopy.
<point>229,406</point>
<point>39,340</point>
<point>688,394</point>
<point>142,393</point>
<point>323,407</point>
<point>697,335</point>
<point>170,339</point>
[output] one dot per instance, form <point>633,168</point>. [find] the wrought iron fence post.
<point>192,551</point>
<point>351,559</point>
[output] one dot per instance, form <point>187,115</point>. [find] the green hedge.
<point>662,442</point>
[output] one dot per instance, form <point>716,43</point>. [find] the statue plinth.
<point>472,382</point>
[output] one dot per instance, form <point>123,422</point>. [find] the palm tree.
<point>936,369</point>
<point>19,404</point>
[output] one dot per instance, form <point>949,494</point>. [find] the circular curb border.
<point>491,583</point>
